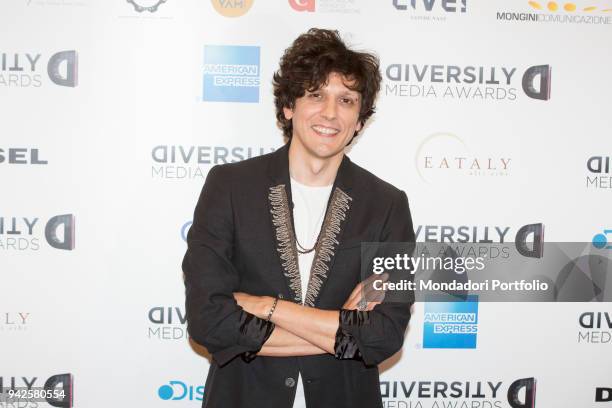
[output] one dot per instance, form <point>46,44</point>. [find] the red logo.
<point>302,5</point>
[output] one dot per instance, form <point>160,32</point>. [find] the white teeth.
<point>325,130</point>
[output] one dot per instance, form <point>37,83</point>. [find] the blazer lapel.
<point>285,239</point>
<point>281,212</point>
<point>336,217</point>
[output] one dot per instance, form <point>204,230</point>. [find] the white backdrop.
<point>84,134</point>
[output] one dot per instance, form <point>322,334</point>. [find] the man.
<point>272,270</point>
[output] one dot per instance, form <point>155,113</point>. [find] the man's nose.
<point>330,109</point>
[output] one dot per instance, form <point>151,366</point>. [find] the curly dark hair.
<point>307,64</point>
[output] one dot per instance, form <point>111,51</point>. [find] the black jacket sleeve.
<point>214,319</point>
<point>376,335</point>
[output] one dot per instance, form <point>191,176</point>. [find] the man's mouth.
<point>325,131</point>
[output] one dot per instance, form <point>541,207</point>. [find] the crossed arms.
<point>229,324</point>
<point>301,330</point>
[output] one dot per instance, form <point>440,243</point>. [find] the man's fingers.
<point>352,299</point>
<point>239,297</point>
<point>377,297</point>
<point>356,290</point>
<point>352,302</point>
<point>365,289</point>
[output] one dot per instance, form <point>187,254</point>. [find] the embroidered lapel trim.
<point>285,238</point>
<point>326,248</point>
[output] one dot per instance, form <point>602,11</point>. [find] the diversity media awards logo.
<point>595,328</point>
<point>232,8</point>
<point>451,324</point>
<point>231,73</point>
<point>178,162</point>
<point>57,390</point>
<point>25,233</point>
<point>167,323</point>
<point>185,230</point>
<point>600,174</point>
<point>467,82</point>
<point>25,69</point>
<point>460,393</point>
<point>603,394</point>
<point>528,239</point>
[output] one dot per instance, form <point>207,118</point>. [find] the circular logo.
<point>232,8</point>
<point>600,241</point>
<point>165,392</point>
<point>445,145</point>
<point>185,229</point>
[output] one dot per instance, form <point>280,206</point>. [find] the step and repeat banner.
<point>495,117</point>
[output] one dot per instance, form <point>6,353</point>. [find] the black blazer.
<point>242,239</point>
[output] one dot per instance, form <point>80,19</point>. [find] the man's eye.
<point>314,95</point>
<point>347,101</point>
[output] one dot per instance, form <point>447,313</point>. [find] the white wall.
<point>140,78</point>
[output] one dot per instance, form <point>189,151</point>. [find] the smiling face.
<point>325,120</point>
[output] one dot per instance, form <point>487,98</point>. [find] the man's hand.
<point>364,296</point>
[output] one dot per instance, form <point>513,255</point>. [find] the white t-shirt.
<point>309,204</point>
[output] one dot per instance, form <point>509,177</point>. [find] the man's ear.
<point>288,113</point>
<point>359,126</point>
